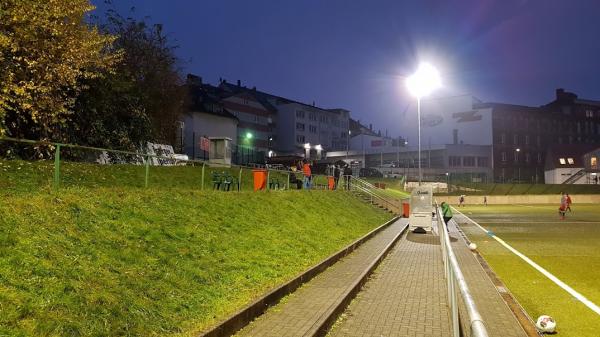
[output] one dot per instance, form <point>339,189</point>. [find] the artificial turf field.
<point>569,249</point>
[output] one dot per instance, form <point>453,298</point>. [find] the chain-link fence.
<point>27,165</point>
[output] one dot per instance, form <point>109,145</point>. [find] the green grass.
<point>18,176</point>
<point>568,249</point>
<point>97,260</point>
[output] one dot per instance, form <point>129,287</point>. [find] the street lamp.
<point>348,144</point>
<point>518,166</point>
<point>448,181</point>
<point>422,83</point>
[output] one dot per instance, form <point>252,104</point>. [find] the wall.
<point>559,175</point>
<point>441,116</point>
<point>520,199</point>
<point>207,125</point>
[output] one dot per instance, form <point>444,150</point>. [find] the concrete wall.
<point>520,199</point>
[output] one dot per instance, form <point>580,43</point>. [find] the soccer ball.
<point>472,246</point>
<point>546,323</point>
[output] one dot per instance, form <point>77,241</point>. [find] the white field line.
<point>553,278</point>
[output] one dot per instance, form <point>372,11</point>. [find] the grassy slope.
<point>568,249</point>
<point>136,262</point>
<point>23,176</point>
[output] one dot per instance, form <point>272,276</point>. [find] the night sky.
<point>354,54</point>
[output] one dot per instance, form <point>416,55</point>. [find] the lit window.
<point>562,161</point>
<point>570,161</point>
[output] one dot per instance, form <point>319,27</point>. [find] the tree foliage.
<point>142,100</point>
<point>46,49</point>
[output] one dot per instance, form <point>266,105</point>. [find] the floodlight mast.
<point>420,84</point>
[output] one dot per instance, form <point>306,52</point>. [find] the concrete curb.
<point>241,318</point>
<point>523,318</point>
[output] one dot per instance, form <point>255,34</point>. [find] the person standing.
<point>569,202</point>
<point>461,201</point>
<point>306,171</point>
<point>563,206</point>
<point>485,200</point>
<point>446,213</point>
<point>347,175</point>
<point>336,176</point>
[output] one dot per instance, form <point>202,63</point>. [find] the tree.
<point>142,100</point>
<point>46,49</point>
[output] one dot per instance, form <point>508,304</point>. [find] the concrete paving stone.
<point>308,306</point>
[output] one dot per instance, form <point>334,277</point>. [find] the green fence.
<point>68,165</point>
<point>520,189</point>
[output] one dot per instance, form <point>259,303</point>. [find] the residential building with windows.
<point>295,124</point>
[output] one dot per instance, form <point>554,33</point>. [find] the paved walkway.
<point>303,312</point>
<point>406,295</point>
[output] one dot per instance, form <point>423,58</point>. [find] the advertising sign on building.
<point>204,144</point>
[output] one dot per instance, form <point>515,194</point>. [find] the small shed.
<point>220,151</point>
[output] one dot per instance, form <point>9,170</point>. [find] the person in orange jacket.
<point>307,174</point>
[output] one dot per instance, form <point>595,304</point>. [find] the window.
<point>343,134</point>
<point>594,162</point>
<point>527,140</point>
<point>312,116</point>
<point>570,161</point>
<point>503,156</point>
<point>469,161</point>
<point>527,157</point>
<point>300,139</point>
<point>503,138</point>
<point>516,157</point>
<point>482,161</point>
<point>300,126</point>
<point>515,139</point>
<point>589,113</point>
<point>539,157</point>
<point>539,141</point>
<point>299,114</point>
<point>562,161</point>
<point>453,161</point>
<point>312,128</point>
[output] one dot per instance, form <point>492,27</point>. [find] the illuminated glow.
<point>318,147</point>
<point>249,135</point>
<point>518,150</point>
<point>425,80</point>
<point>307,146</point>
<point>271,153</point>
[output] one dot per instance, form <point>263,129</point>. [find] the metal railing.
<point>145,161</point>
<point>375,194</point>
<point>455,279</point>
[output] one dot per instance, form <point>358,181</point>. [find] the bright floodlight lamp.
<point>318,147</point>
<point>424,81</point>
<point>420,84</point>
<point>249,135</point>
<point>518,150</point>
<point>307,146</point>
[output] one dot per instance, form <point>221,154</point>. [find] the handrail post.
<point>202,181</point>
<point>147,171</point>
<point>268,182</point>
<point>288,182</point>
<point>240,180</point>
<point>57,167</point>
